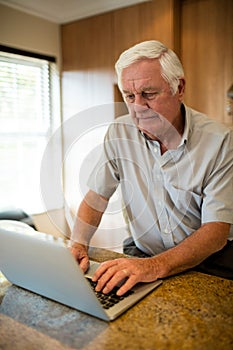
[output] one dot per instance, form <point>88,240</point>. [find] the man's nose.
<point>140,105</point>
<point>139,109</point>
<point>140,100</point>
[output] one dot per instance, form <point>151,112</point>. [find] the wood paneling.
<point>87,44</point>
<point>91,46</point>
<point>87,48</point>
<point>207,55</point>
<point>147,21</point>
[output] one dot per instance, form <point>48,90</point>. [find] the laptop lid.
<point>44,265</point>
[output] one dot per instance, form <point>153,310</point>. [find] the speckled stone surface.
<point>188,311</point>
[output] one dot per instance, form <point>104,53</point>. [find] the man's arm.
<point>208,239</point>
<point>88,219</point>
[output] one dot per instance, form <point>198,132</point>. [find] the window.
<point>29,113</point>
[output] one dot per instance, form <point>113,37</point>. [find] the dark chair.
<point>17,214</point>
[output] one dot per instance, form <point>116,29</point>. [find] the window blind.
<point>27,119</point>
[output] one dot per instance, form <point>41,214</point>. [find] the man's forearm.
<point>207,240</point>
<point>88,217</point>
<point>193,250</point>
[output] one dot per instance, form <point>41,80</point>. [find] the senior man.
<point>175,169</point>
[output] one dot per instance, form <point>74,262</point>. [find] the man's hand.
<point>208,239</point>
<point>88,218</point>
<point>129,270</point>
<point>79,251</point>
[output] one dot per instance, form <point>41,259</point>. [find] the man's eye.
<point>146,95</point>
<point>149,95</point>
<point>130,97</point>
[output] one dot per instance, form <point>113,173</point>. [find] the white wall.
<point>27,32</point>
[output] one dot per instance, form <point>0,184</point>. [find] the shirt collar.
<point>186,117</point>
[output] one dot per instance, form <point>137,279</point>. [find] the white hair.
<point>171,67</point>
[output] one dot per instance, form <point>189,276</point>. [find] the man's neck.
<point>173,135</point>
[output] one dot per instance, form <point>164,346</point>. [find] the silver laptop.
<point>44,265</point>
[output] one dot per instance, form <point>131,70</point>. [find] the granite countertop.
<point>188,311</point>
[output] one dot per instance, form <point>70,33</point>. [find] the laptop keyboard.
<point>110,299</point>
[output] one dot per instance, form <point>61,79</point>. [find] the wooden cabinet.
<point>87,44</point>
<point>147,21</point>
<point>207,55</point>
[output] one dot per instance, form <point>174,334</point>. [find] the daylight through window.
<point>29,112</point>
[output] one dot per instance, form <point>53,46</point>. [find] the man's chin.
<point>146,126</point>
<point>149,134</point>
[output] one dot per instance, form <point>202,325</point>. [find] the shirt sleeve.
<point>105,178</point>
<point>218,189</point>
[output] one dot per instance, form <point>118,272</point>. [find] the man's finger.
<point>129,284</point>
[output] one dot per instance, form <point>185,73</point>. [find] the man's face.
<point>152,105</point>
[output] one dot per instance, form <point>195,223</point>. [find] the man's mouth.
<point>146,116</point>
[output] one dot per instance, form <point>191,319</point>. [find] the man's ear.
<point>181,89</point>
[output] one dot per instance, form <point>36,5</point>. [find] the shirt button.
<point>166,230</point>
<point>155,150</point>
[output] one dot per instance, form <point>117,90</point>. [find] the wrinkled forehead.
<point>143,66</point>
<point>142,75</point>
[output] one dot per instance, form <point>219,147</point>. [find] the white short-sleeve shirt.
<point>169,196</point>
